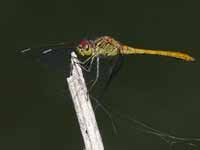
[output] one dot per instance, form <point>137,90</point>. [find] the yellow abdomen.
<point>129,50</point>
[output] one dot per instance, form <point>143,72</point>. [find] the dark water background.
<point>163,92</point>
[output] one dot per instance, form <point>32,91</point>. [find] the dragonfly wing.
<point>116,65</point>
<point>110,70</point>
<point>43,49</point>
<point>49,48</point>
<point>56,56</point>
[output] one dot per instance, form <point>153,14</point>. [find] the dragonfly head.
<point>85,48</point>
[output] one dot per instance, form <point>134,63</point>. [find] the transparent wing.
<point>56,56</point>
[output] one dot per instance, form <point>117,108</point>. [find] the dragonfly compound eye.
<point>84,48</point>
<point>84,44</point>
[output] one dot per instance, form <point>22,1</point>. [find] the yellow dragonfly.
<point>106,46</point>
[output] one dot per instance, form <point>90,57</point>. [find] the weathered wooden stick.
<point>83,107</point>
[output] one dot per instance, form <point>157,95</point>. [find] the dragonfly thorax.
<point>107,46</point>
<point>101,47</point>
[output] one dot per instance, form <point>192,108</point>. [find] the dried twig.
<point>83,107</point>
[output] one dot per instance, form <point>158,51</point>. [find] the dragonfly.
<point>105,47</point>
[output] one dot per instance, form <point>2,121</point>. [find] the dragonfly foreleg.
<point>83,64</point>
<point>85,61</point>
<point>90,65</point>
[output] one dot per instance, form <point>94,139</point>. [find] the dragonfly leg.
<point>84,63</point>
<point>97,74</point>
<point>90,65</point>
